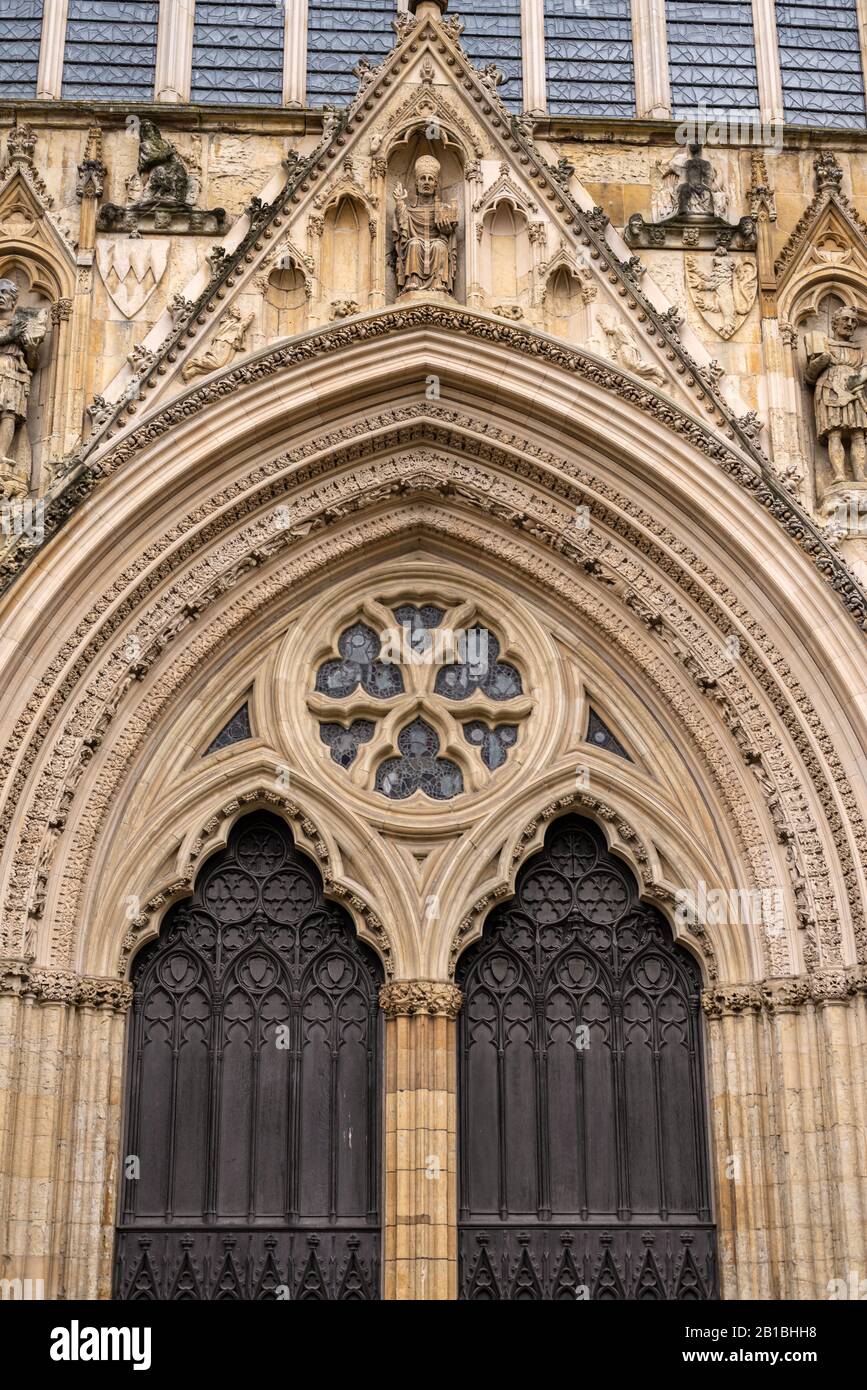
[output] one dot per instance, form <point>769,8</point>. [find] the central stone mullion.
<point>420,1234</point>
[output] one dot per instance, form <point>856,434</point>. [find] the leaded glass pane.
<point>588,58</point>
<point>20,30</point>
<point>493,744</point>
<point>599,734</point>
<point>111,49</point>
<point>238,52</point>
<point>820,63</point>
<point>418,768</point>
<point>492,34</point>
<point>338,34</point>
<point>359,664</point>
<point>236,731</point>
<point>416,619</point>
<point>479,669</point>
<point>712,57</point>
<point>344,743</point>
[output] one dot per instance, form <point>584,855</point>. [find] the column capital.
<point>401,998</point>
<point>21,976</point>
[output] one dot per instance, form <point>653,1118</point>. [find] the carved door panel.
<point>251,1165</point>
<point>583,1155</point>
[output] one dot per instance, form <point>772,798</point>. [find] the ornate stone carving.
<point>695,214</point>
<point>228,340</point>
<point>836,368</point>
<point>774,996</point>
<point>131,268</point>
<point>424,234</point>
<point>21,332</point>
<point>162,193</point>
<point>23,978</point>
<point>725,293</point>
<point>402,998</point>
<point>622,347</point>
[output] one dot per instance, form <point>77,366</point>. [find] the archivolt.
<point>410,518</point>
<point>632,576</point>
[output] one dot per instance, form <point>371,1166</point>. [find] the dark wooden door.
<point>583,1157</point>
<point>251,1159</point>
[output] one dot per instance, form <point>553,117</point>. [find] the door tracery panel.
<point>251,1164</point>
<point>582,1123</point>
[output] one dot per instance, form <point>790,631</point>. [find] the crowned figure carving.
<point>836,366</point>
<point>21,332</point>
<point>424,234</point>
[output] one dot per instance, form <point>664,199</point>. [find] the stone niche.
<point>452,189</point>
<point>37,289</point>
<point>346,254</point>
<point>284,308</point>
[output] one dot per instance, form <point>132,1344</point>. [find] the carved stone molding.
<point>407,998</point>
<point>313,843</point>
<point>774,996</point>
<point>792,837</point>
<point>21,978</point>
<point>755,479</point>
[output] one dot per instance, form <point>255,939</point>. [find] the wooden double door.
<point>251,1161</point>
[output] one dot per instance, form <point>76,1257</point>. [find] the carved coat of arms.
<point>131,269</point>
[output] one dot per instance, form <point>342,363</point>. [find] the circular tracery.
<point>456,665</point>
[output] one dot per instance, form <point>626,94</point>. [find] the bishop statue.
<point>425,246</point>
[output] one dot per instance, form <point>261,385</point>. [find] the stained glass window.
<point>418,768</point>
<point>493,744</point>
<point>599,734</point>
<point>339,32</point>
<point>111,50</point>
<point>237,729</point>
<point>588,57</point>
<point>820,63</point>
<point>492,34</point>
<point>20,30</point>
<point>238,52</point>
<point>712,57</point>
<point>344,743</point>
<point>359,664</point>
<point>478,669</point>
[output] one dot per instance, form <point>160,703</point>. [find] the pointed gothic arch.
<point>582,1117</point>
<point>253,1089</point>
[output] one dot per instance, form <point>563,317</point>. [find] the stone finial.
<point>20,143</point>
<point>426,7</point>
<point>829,174</point>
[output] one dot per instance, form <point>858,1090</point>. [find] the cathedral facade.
<point>433,475</point>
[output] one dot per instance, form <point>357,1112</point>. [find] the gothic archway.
<point>583,1153</point>
<point>251,1157</point>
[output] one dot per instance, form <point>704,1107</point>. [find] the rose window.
<point>419,707</point>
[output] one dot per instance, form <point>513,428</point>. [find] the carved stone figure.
<point>167,179</point>
<point>692,212</point>
<point>425,249</point>
<point>21,332</point>
<point>726,293</point>
<point>624,350</point>
<point>836,366</point>
<point>227,341</point>
<point>162,194</point>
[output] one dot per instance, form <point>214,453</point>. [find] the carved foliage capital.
<point>22,978</point>
<point>401,998</point>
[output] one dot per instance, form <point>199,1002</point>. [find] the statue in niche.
<point>21,332</point>
<point>425,247</point>
<point>836,367</point>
